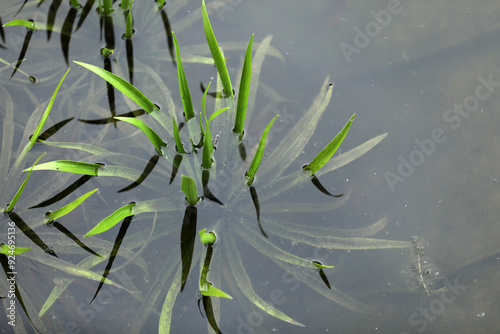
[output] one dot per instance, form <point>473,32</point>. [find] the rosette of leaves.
<point>234,190</point>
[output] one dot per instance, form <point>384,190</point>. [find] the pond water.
<point>425,72</point>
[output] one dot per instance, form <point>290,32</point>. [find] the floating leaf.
<point>13,250</point>
<point>318,265</point>
<point>112,220</point>
<point>207,238</point>
<point>69,166</point>
<point>326,154</point>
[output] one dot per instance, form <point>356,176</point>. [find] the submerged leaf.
<point>188,187</point>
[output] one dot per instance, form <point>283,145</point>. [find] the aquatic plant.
<point>231,196</point>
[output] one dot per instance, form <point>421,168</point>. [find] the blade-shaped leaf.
<point>207,148</point>
<point>31,25</point>
<point>345,158</point>
<point>207,238</point>
<point>123,86</point>
<point>168,304</point>
<point>244,90</point>
<point>183,84</point>
<point>291,146</point>
<point>153,136</point>
<point>259,154</point>
<point>69,166</point>
<point>206,288</point>
<point>326,154</point>
<point>13,250</point>
<point>188,237</point>
<point>69,207</point>
<point>112,220</point>
<point>12,203</point>
<point>243,281</point>
<point>216,53</point>
<point>177,138</point>
<point>38,130</point>
<point>188,187</point>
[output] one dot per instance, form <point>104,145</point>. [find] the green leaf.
<point>188,187</point>
<point>129,25</point>
<point>177,138</point>
<point>326,154</point>
<point>69,207</point>
<point>69,166</point>
<point>24,23</point>
<point>168,304</point>
<point>216,53</point>
<point>243,281</point>
<point>345,158</point>
<point>153,136</point>
<point>123,86</point>
<point>207,148</point>
<point>183,84</point>
<point>259,154</point>
<point>207,238</point>
<point>13,250</point>
<point>291,146</point>
<point>39,128</point>
<point>244,90</point>
<point>217,113</point>
<point>318,265</point>
<point>112,220</point>
<point>206,288</point>
<point>12,203</point>
<point>105,52</point>
<point>106,7</point>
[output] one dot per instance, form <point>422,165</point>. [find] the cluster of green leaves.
<point>195,155</point>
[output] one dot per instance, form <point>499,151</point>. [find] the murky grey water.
<point>425,72</point>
